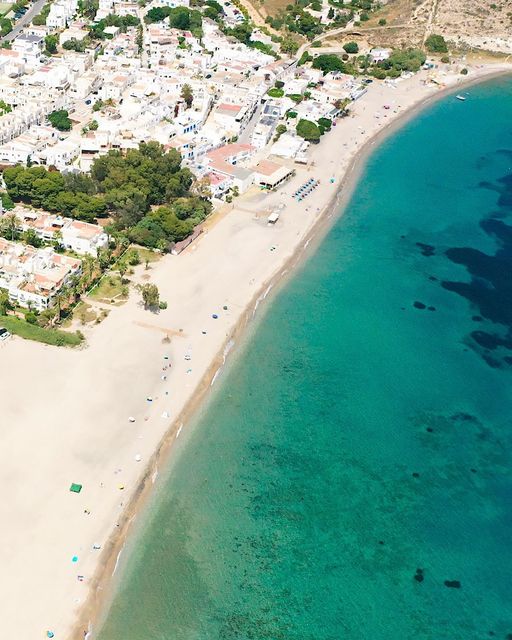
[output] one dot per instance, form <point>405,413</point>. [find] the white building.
<point>81,237</point>
<point>378,55</point>
<point>263,131</point>
<point>34,277</point>
<point>61,13</point>
<point>30,49</point>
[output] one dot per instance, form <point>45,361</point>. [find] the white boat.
<point>459,97</point>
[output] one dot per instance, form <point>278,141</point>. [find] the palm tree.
<point>122,267</point>
<point>87,270</point>
<point>12,224</point>
<point>74,287</point>
<point>59,298</point>
<point>201,188</point>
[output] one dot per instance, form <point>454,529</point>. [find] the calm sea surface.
<point>351,478</point>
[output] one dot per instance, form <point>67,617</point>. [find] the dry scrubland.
<point>467,24</point>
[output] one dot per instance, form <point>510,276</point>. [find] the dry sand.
<point>65,412</point>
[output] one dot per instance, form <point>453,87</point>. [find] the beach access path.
<point>65,413</point>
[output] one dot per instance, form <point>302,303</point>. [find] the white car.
<point>4,334</point>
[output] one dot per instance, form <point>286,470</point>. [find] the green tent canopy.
<point>75,488</point>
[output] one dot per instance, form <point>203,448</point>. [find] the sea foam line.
<point>117,560</point>
<point>227,349</point>
<point>262,297</point>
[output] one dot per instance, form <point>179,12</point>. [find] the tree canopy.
<point>308,130</point>
<point>351,47</point>
<point>328,62</point>
<point>150,295</point>
<point>179,17</point>
<point>436,44</point>
<point>146,191</point>
<point>404,60</point>
<point>60,120</point>
<point>51,43</point>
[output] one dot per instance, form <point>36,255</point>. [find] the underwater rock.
<point>452,584</point>
<point>426,249</point>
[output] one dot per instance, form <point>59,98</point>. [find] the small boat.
<point>459,97</point>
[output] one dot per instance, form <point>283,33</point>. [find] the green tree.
<point>139,41</point>
<point>305,57</point>
<point>328,62</point>
<point>88,8</point>
<point>288,45</point>
<point>60,120</point>
<point>308,130</point>
<point>150,295</point>
<point>122,267</point>
<point>5,303</point>
<point>187,95</point>
<point>280,129</point>
<point>325,124</point>
<point>7,202</point>
<point>30,237</point>
<point>75,45</point>
<point>5,108</point>
<point>5,26</point>
<point>435,43</point>
<point>351,47</point>
<point>10,225</point>
<point>51,44</point>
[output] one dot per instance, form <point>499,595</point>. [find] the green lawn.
<point>147,255</point>
<point>34,332</point>
<point>109,290</point>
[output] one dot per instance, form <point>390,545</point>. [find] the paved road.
<point>25,20</point>
<point>245,136</point>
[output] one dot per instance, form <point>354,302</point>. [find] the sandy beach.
<point>65,415</point>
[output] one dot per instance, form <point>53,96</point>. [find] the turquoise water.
<point>357,454</point>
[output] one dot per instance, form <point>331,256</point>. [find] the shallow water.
<point>357,453</point>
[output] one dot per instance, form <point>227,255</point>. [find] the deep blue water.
<point>351,478</point>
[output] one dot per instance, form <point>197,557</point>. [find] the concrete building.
<point>81,237</point>
<point>34,277</point>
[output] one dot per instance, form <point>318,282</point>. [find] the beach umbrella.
<point>214,316</point>
<point>50,634</point>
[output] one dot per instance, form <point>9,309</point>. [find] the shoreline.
<point>97,604</point>
<point>105,417</point>
<point>96,607</point>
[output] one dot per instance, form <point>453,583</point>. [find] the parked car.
<point>4,334</point>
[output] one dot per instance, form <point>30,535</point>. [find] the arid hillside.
<point>465,24</point>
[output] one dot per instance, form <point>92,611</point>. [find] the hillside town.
<point>191,92</point>
<point>129,123</point>
<point>96,78</point>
